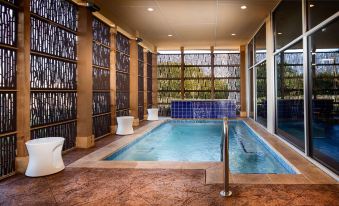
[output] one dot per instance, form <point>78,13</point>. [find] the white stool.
<point>152,114</point>
<point>44,156</point>
<point>125,124</point>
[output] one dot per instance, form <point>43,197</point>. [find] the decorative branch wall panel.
<point>52,107</point>
<point>66,130</point>
<point>7,155</point>
<point>53,70</point>
<point>101,55</point>
<point>8,137</point>
<point>7,111</point>
<point>47,73</point>
<point>122,82</point>
<point>227,59</point>
<point>122,75</point>
<point>101,78</point>
<point>123,45</point>
<point>227,77</point>
<point>197,59</point>
<point>169,81</point>
<point>122,100</point>
<point>102,125</point>
<point>14,2</point>
<point>169,59</point>
<point>101,103</point>
<point>101,32</point>
<point>62,12</point>
<point>7,68</point>
<point>140,82</point>
<point>201,77</point>
<point>50,39</point>
<point>8,29</point>
<point>227,72</point>
<point>149,80</point>
<point>197,72</point>
<point>169,72</point>
<point>122,62</point>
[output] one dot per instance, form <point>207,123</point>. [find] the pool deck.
<point>308,173</point>
<point>146,187</point>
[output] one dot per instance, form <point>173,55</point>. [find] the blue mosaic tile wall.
<point>203,109</point>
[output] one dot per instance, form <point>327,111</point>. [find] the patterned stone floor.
<point>77,186</point>
<point>84,186</point>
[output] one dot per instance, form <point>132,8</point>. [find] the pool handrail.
<point>226,192</point>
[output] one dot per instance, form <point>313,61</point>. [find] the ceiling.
<point>194,24</point>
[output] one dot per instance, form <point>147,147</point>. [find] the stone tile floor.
<point>80,186</point>
<point>88,186</point>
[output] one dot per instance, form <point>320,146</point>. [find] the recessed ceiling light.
<point>324,29</point>
<point>170,35</point>
<point>279,33</point>
<point>150,9</point>
<point>311,5</point>
<point>243,7</point>
<point>233,34</point>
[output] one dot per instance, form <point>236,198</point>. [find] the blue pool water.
<point>199,141</point>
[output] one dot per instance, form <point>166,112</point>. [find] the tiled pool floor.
<point>112,186</point>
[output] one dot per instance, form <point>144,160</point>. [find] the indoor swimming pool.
<point>200,141</point>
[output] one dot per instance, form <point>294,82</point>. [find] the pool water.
<point>199,141</point>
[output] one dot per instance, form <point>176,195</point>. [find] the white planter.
<point>44,156</point>
<point>152,114</point>
<point>125,125</point>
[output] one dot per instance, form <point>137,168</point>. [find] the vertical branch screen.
<point>140,82</point>
<point>227,77</point>
<point>198,77</point>
<point>149,80</point>
<point>168,81</point>
<point>53,70</point>
<point>122,75</point>
<point>8,58</point>
<point>101,79</point>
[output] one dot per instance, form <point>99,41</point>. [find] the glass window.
<point>319,10</point>
<point>261,94</point>
<point>290,95</point>
<point>251,114</point>
<point>287,19</point>
<point>324,69</point>
<point>260,44</point>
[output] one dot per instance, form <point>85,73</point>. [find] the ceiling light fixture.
<point>311,5</point>
<point>279,33</point>
<point>233,34</point>
<point>150,9</point>
<point>170,35</point>
<point>243,7</point>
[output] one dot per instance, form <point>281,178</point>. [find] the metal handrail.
<point>226,192</point>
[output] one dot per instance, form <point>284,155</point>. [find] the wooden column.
<point>155,78</point>
<point>23,85</point>
<point>243,81</point>
<point>145,84</point>
<point>212,73</point>
<point>113,75</point>
<point>85,137</point>
<point>182,74</point>
<point>133,75</point>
